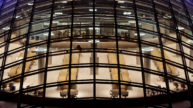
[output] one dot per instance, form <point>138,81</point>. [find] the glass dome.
<point>113,53</point>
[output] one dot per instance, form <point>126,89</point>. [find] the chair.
<point>183,86</point>
<point>176,84</point>
<point>126,95</point>
<point>152,92</point>
<point>40,93</point>
<point>10,86</point>
<point>147,91</point>
<point>35,93</point>
<point>159,88</point>
<point>4,86</point>
<point>62,95</point>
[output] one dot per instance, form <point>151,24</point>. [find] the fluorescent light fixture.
<point>141,34</point>
<point>55,22</point>
<point>6,28</point>
<point>40,50</point>
<point>167,16</point>
<point>120,1</point>
<point>46,23</point>
<point>64,23</point>
<point>96,41</point>
<point>64,2</point>
<point>92,9</point>
<point>47,34</point>
<point>126,13</point>
<point>132,22</point>
<point>147,49</point>
<point>181,28</point>
<point>58,13</point>
<point>190,41</point>
<point>92,28</point>
<point>30,3</point>
<point>17,16</point>
<point>122,7</point>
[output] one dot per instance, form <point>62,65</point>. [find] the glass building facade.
<point>93,53</point>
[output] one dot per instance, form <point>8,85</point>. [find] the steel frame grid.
<point>117,50</point>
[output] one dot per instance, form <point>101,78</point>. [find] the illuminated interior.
<point>95,49</point>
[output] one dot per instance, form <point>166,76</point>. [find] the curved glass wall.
<point>68,50</point>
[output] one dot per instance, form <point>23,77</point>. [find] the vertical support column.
<point>177,48</point>
<point>18,31</point>
<point>191,53</point>
<point>132,33</point>
<point>147,64</point>
<point>166,31</point>
<point>54,32</point>
<point>50,57</point>
<point>137,58</point>
<point>96,61</point>
<point>41,64</point>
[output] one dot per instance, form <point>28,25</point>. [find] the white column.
<point>191,53</point>
<point>54,32</point>
<point>177,48</point>
<point>132,33</point>
<point>41,64</point>
<point>96,61</point>
<point>50,57</point>
<point>137,57</point>
<point>147,64</point>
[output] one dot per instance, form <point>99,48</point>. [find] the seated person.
<point>79,48</point>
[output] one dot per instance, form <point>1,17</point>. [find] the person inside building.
<point>79,48</point>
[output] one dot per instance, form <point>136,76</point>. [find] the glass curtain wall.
<point>63,51</point>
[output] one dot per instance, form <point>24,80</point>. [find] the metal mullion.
<point>70,58</point>
<point>5,54</point>
<point>187,15</point>
<point>25,55</point>
<point>94,73</point>
<point>7,44</point>
<point>182,55</point>
<point>47,53</point>
<point>140,51</point>
<point>117,51</point>
<point>162,53</point>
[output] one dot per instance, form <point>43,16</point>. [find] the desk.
<point>27,65</point>
<point>64,76</point>
<point>14,69</point>
<point>114,71</point>
<point>156,52</point>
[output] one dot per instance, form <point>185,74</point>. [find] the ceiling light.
<point>6,28</point>
<point>58,13</point>
<point>64,2</point>
<point>126,13</point>
<point>181,28</point>
<point>55,22</point>
<point>131,21</point>
<point>17,16</point>
<point>141,34</point>
<point>30,3</point>
<point>96,41</point>
<point>47,34</point>
<point>120,1</point>
<point>147,49</point>
<point>92,9</point>
<point>92,28</point>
